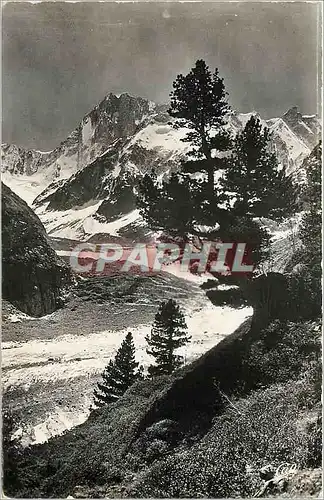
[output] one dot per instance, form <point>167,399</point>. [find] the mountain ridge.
<point>89,181</point>
<point>292,117</point>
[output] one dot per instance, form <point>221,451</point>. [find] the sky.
<point>60,59</point>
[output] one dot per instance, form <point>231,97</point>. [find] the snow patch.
<point>14,318</point>
<point>55,424</point>
<point>87,130</point>
<point>27,187</point>
<point>296,147</point>
<point>94,226</point>
<point>81,223</point>
<point>165,137</point>
<point>68,223</point>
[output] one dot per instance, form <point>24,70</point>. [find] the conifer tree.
<point>253,177</point>
<point>169,332</point>
<point>169,206</point>
<point>199,200</point>
<point>310,231</point>
<point>198,102</point>
<point>118,375</point>
<point>306,280</point>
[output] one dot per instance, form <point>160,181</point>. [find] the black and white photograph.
<point>161,194</point>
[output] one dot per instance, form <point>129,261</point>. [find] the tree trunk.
<point>210,171</point>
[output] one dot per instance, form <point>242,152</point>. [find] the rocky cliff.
<point>33,277</point>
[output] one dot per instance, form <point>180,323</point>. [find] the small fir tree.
<point>118,375</point>
<point>169,332</point>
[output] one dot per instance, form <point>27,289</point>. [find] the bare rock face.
<point>87,184</point>
<point>16,160</point>
<point>306,127</point>
<point>112,119</point>
<point>33,277</point>
<point>115,118</point>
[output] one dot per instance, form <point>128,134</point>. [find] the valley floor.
<point>51,364</point>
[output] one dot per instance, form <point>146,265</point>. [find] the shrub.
<point>156,450</point>
<point>305,292</point>
<point>233,297</point>
<point>11,452</point>
<point>266,428</point>
<point>314,445</point>
<point>283,352</point>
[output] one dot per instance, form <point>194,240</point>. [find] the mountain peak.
<point>117,142</point>
<point>293,113</point>
<point>122,97</point>
<point>307,127</point>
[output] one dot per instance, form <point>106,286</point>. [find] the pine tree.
<point>260,188</point>
<point>169,332</point>
<point>306,281</point>
<point>168,206</point>
<point>310,231</point>
<point>118,375</point>
<point>179,205</point>
<point>199,200</point>
<point>199,102</point>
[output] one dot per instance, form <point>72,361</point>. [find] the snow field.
<point>72,356</point>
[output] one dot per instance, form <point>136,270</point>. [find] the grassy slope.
<point>198,432</point>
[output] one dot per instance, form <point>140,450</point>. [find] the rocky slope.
<point>304,126</point>
<point>33,277</point>
<point>86,186</point>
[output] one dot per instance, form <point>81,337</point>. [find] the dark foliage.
<point>118,375</point>
<point>283,351</point>
<point>233,297</point>
<point>169,332</point>
<point>268,295</point>
<point>315,451</point>
<point>305,280</point>
<point>192,199</point>
<point>254,431</point>
<point>312,192</point>
<point>305,293</point>
<point>11,451</point>
<point>172,436</point>
<point>253,178</point>
<point>198,101</point>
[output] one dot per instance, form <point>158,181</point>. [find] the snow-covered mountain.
<point>86,186</point>
<point>112,119</point>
